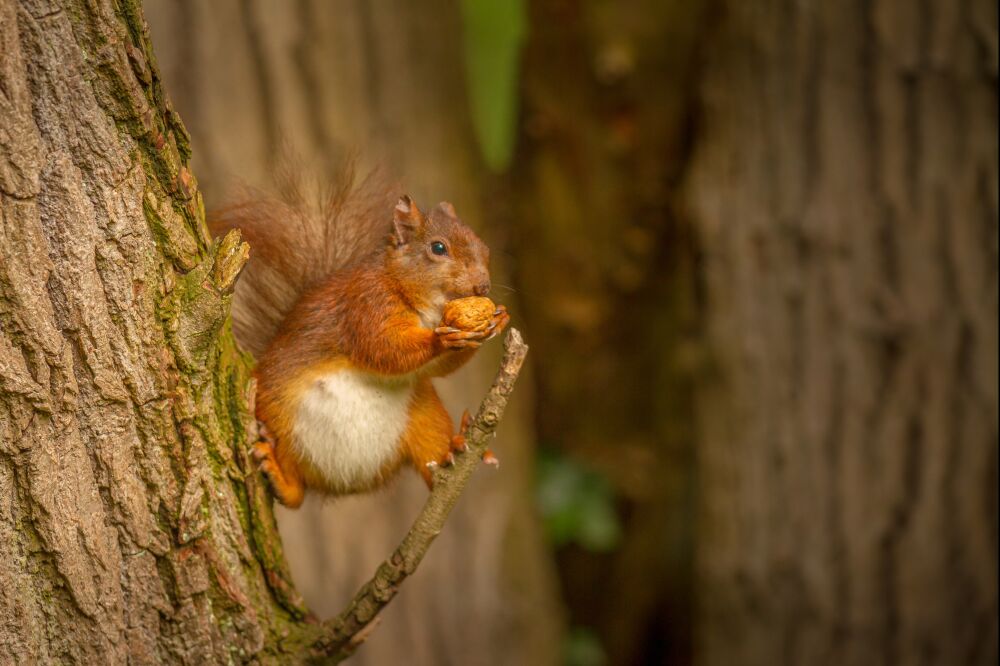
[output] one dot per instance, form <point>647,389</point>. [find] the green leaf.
<point>493,33</point>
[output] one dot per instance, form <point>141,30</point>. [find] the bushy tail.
<point>299,235</point>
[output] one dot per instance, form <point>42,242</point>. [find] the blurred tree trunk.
<point>844,189</point>
<point>606,275</point>
<point>125,529</point>
<point>254,78</point>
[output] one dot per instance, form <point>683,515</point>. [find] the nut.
<point>474,313</point>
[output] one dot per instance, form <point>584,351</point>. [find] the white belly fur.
<point>349,423</point>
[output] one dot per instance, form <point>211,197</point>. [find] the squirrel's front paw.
<point>498,322</point>
<point>467,322</point>
<point>466,325</point>
<point>453,338</point>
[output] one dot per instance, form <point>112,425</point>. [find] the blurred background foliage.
<point>577,504</point>
<point>753,247</point>
<point>492,37</point>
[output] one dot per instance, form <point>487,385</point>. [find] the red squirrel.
<point>343,308</point>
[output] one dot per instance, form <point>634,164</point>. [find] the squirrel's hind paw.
<point>288,491</point>
<point>490,459</point>
<point>458,441</point>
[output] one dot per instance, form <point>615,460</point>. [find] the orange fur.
<point>299,236</point>
<point>369,315</point>
<point>428,437</point>
<point>448,363</point>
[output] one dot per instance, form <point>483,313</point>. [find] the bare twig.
<point>340,636</point>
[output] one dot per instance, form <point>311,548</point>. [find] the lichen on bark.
<point>133,526</point>
<point>128,530</point>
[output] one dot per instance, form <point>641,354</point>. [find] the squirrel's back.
<point>298,236</point>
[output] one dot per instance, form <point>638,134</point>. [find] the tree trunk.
<point>133,528</point>
<point>313,78</point>
<point>844,187</point>
<point>125,522</point>
<point>606,273</point>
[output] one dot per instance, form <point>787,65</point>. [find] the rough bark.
<point>255,78</point>
<point>133,527</point>
<point>124,517</point>
<point>844,187</point>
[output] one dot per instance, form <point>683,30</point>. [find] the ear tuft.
<point>404,205</point>
<point>449,210</point>
<point>407,220</point>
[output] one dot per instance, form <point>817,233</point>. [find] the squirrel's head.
<point>436,255</point>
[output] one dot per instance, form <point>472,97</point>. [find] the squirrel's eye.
<point>438,248</point>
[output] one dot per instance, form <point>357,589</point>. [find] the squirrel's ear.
<point>449,210</point>
<point>406,220</point>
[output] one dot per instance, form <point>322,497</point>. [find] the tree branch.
<point>339,637</point>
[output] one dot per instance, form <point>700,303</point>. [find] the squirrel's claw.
<point>288,490</point>
<point>499,322</point>
<point>490,459</point>
<point>262,451</point>
<point>263,448</point>
<point>458,441</point>
<point>448,333</point>
<point>263,434</point>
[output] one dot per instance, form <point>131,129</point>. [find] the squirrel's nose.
<point>482,288</point>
